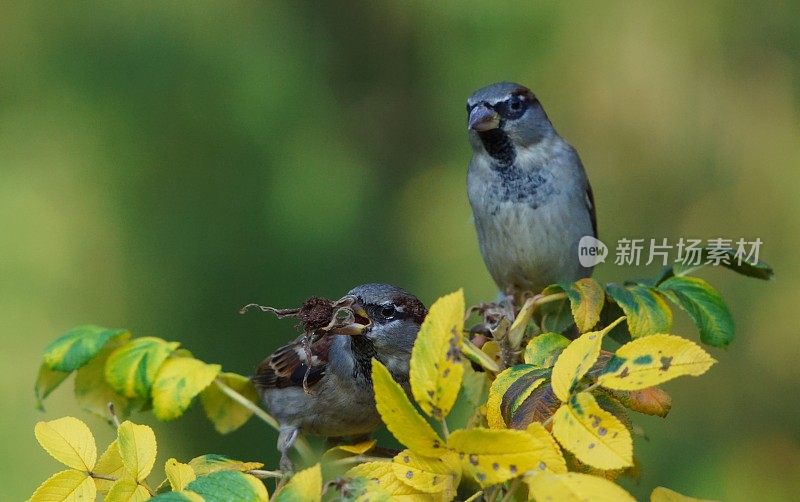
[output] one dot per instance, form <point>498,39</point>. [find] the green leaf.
<point>177,383</point>
<point>181,496</point>
<point>646,312</point>
<point>556,315</point>
<point>704,305</point>
<point>225,486</point>
<point>586,299</point>
<point>132,368</point>
<point>46,382</point>
<point>77,346</point>
<point>226,414</point>
<point>759,270</point>
<point>543,350</point>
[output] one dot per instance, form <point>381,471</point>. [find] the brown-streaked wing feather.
<point>289,365</point>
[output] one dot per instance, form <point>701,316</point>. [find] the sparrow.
<point>324,386</point>
<point>530,197</point>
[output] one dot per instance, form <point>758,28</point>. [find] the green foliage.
<point>553,425</point>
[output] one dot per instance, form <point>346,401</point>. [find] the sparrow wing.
<point>590,207</point>
<point>294,364</point>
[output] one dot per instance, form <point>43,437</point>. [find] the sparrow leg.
<point>286,438</point>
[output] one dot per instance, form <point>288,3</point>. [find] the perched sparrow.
<point>325,387</point>
<point>529,193</point>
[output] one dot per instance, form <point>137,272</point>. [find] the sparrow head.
<point>505,116</point>
<point>386,315</point>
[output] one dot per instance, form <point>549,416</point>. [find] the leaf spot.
<point>473,459</point>
<point>666,362</point>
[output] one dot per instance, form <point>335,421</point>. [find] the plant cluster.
<point>529,403</point>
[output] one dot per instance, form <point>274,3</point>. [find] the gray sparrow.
<point>530,197</point>
<point>323,385</point>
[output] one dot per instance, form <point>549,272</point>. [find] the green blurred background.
<point>163,163</point>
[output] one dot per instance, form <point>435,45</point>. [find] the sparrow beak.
<point>483,118</point>
<point>356,324</point>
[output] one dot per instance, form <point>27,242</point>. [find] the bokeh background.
<point>163,163</point>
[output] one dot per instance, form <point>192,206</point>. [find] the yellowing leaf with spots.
<point>436,368</point>
<point>428,474</point>
<point>491,456</point>
<point>383,474</point>
<point>586,298</point>
<point>127,490</point>
<point>226,414</point>
<point>576,360</point>
<point>400,416</point>
<point>132,368</point>
<point>661,494</point>
<point>652,360</point>
<point>646,311</point>
<point>206,464</point>
<point>500,385</point>
<point>547,449</point>
<point>69,441</point>
<point>177,382</point>
<point>345,450</point>
<point>305,486</point>
<point>543,350</point>
<point>109,465</point>
<point>178,474</point>
<point>574,487</point>
<point>67,486</point>
<point>137,447</point>
<point>593,435</point>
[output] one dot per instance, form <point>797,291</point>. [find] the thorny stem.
<point>266,474</point>
<point>301,445</point>
<point>357,459</point>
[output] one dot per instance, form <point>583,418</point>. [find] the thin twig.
<point>102,476</point>
<point>357,459</point>
<point>113,413</point>
<point>301,445</point>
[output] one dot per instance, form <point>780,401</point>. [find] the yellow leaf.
<point>206,464</point>
<point>92,392</point>
<point>593,435</point>
<point>345,450</point>
<point>178,474</point>
<point>177,382</point>
<point>586,298</point>
<point>137,447</point>
<point>305,486</point>
<point>652,360</point>
<point>661,494</point>
<point>69,441</point>
<point>498,389</point>
<point>110,465</point>
<point>383,474</point>
<point>492,456</point>
<point>46,382</point>
<point>574,487</point>
<point>479,356</point>
<point>399,415</point>
<point>67,486</point>
<point>517,329</point>
<point>435,368</point>
<point>576,360</point>
<point>226,414</point>
<point>547,449</point>
<point>127,490</point>
<point>132,368</point>
<point>427,474</point>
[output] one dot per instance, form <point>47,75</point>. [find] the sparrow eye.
<point>388,311</point>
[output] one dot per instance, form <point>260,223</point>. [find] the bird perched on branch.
<point>322,384</point>
<point>529,193</point>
